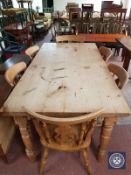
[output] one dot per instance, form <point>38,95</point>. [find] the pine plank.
<point>67,78</point>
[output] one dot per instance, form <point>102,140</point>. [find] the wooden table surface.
<point>67,78</point>
<point>96,38</point>
<point>126,42</point>
<point>102,37</point>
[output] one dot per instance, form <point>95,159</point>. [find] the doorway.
<point>48,5</point>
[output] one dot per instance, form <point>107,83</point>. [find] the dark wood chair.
<point>88,9</point>
<point>65,134</point>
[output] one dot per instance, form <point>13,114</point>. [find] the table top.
<point>67,78</point>
<point>104,37</point>
<point>99,37</point>
<point>126,42</point>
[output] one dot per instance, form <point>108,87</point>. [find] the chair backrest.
<point>69,38</point>
<point>74,13</point>
<point>82,27</point>
<point>99,27</point>
<point>11,75</point>
<point>88,8</point>
<point>106,53</point>
<point>115,27</point>
<point>71,5</point>
<point>32,51</point>
<point>65,134</point>
<point>121,74</point>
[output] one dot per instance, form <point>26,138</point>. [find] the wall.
<point>127,4</point>
<point>34,5</point>
<point>60,4</point>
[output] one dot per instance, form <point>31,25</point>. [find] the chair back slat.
<point>71,133</point>
<point>106,53</point>
<point>32,51</point>
<point>12,74</point>
<point>83,131</point>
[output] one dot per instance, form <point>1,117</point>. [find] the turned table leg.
<point>105,136</point>
<point>26,134</point>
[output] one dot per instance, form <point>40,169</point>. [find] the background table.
<point>106,38</point>
<point>66,79</point>
<point>126,43</point>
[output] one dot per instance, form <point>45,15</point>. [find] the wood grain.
<point>91,37</point>
<point>67,78</point>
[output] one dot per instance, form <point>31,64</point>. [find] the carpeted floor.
<point>60,163</point>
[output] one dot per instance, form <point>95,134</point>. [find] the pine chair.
<point>106,53</point>
<point>99,27</point>
<point>32,51</point>
<point>7,131</point>
<point>69,38</point>
<point>65,134</point>
<point>120,74</point>
<point>13,73</point>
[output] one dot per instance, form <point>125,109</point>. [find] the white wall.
<point>60,4</point>
<point>34,5</point>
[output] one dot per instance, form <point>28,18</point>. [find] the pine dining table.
<point>66,79</point>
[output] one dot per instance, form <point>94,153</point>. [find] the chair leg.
<point>3,155</point>
<point>85,155</point>
<point>43,160</point>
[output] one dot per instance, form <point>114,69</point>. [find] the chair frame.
<point>65,134</point>
<point>32,51</point>
<point>106,53</point>
<point>121,73</point>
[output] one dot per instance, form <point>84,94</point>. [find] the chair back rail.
<point>121,73</point>
<point>32,51</point>
<point>11,75</point>
<point>73,133</point>
<point>106,53</point>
